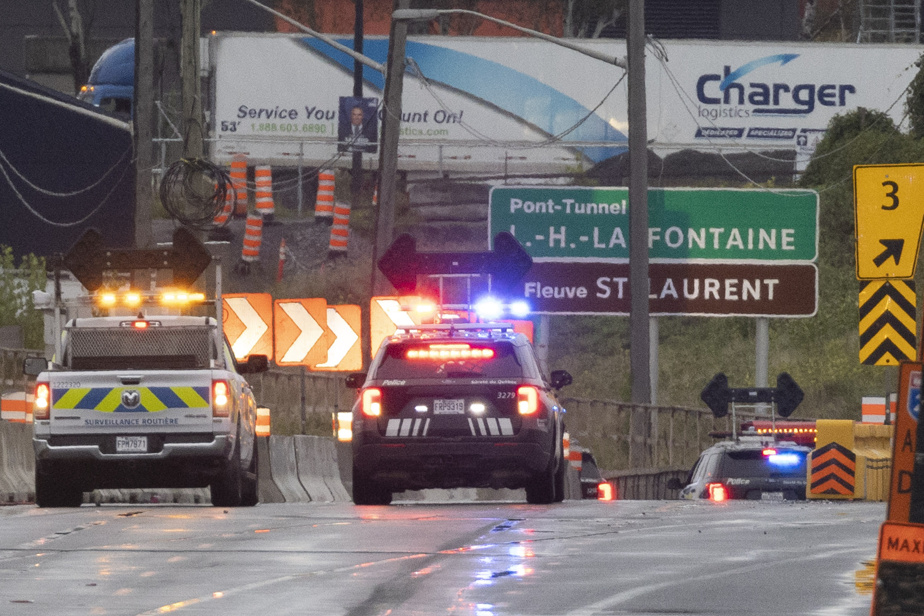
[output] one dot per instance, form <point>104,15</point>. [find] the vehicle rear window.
<point>447,360</point>
<point>149,349</point>
<point>756,464</point>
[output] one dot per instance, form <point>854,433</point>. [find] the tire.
<point>250,491</point>
<point>560,480</point>
<point>53,489</point>
<point>227,489</point>
<point>367,492</point>
<point>541,490</point>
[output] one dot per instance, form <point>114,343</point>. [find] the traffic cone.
<point>324,204</point>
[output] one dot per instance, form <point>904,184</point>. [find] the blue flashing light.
<point>784,459</point>
<point>519,309</point>
<point>489,308</point>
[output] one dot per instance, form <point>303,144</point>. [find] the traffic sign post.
<point>582,223</point>
<point>247,320</point>
<point>302,335</point>
<point>889,213</point>
<point>701,289</point>
<point>344,353</point>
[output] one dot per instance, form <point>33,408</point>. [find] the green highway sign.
<point>730,225</point>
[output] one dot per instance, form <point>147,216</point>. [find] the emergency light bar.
<point>134,299</point>
<point>449,351</point>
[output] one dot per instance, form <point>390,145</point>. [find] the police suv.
<point>457,405</point>
<point>144,402</point>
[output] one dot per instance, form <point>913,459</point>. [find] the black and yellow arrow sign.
<point>888,330</point>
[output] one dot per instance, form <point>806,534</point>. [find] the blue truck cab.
<point>112,80</point>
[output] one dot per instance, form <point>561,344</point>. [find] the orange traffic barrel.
<point>239,181</point>
<point>324,204</point>
<point>340,230</point>
<point>253,237</point>
<point>263,191</point>
<point>263,421</point>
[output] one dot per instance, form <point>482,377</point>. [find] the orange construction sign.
<point>302,334</point>
<point>905,440</point>
<point>247,320</point>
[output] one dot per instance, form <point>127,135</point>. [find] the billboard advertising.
<point>528,105</point>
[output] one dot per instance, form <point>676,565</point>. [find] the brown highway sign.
<point>688,289</point>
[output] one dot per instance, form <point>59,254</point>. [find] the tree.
<point>588,18</point>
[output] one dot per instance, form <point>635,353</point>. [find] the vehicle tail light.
<point>41,404</point>
<point>372,402</point>
<point>605,491</point>
<point>717,492</point>
<point>769,452</point>
<point>527,400</point>
<point>221,399</point>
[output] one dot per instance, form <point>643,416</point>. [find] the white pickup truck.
<point>144,402</point>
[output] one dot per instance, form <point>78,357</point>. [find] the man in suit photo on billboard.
<point>358,125</point>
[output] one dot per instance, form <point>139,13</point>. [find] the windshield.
<point>754,464</point>
<point>426,360</point>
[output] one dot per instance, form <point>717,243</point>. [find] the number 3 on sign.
<point>891,194</point>
<point>888,236</point>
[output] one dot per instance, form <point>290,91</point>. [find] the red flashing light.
<point>449,351</point>
<point>717,492</point>
<point>140,324</point>
<point>605,491</point>
<point>769,452</point>
<point>372,402</point>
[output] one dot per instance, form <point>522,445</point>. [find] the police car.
<point>749,467</point>
<point>457,405</point>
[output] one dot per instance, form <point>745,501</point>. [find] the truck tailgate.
<point>130,401</point>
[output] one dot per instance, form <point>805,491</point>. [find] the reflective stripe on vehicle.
<point>150,400</point>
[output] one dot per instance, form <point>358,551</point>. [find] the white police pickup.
<point>144,402</point>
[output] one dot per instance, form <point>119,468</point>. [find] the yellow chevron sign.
<point>888,329</point>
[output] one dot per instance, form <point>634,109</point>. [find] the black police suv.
<point>457,405</point>
<point>747,468</point>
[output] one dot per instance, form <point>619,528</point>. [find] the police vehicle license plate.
<point>131,444</point>
<point>771,496</point>
<point>448,407</point>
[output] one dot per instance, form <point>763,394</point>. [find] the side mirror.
<point>674,484</point>
<point>255,364</point>
<point>560,378</point>
<point>355,380</point>
<point>33,366</point>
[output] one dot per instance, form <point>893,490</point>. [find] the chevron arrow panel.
<point>888,329</point>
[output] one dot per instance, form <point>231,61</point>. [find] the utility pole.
<point>143,110</point>
<point>356,183</point>
<point>189,73</point>
<point>388,152</point>
<point>639,323</point>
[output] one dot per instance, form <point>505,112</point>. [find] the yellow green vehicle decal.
<point>148,399</point>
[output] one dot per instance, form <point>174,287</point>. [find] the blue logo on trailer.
<point>914,394</point>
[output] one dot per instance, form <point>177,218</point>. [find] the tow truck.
<point>144,392</point>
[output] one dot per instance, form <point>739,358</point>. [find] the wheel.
<point>53,489</point>
<point>560,480</point>
<point>227,489</point>
<point>250,492</point>
<point>367,492</point>
<point>541,490</point>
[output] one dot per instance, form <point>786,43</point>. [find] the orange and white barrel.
<point>324,204</point>
<point>340,229</point>
<point>253,237</point>
<point>16,407</point>
<point>239,181</point>
<point>227,209</point>
<point>263,421</point>
<point>263,191</point>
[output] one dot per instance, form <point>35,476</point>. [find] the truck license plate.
<point>131,444</point>
<point>448,407</point>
